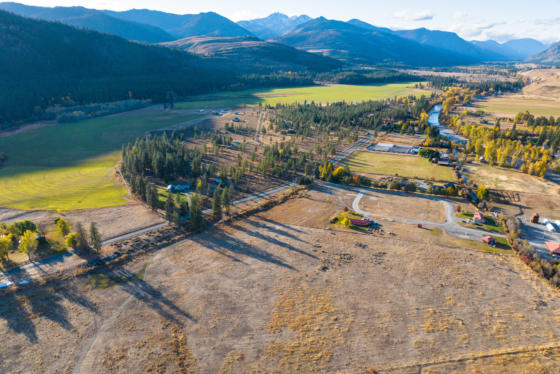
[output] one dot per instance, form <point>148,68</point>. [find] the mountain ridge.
<point>274,25</point>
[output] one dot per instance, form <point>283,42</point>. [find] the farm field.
<point>264,294</point>
<point>509,180</point>
<point>70,166</point>
<point>405,166</point>
<point>318,94</point>
<point>391,204</point>
<point>540,96</point>
<point>509,106</point>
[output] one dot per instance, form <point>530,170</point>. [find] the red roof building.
<point>478,218</point>
<point>359,222</point>
<point>553,247</point>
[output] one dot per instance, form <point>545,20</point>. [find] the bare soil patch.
<point>387,203</point>
<point>399,139</point>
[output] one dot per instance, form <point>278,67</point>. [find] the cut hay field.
<point>540,96</point>
<point>509,106</point>
<point>70,166</point>
<point>318,94</point>
<point>509,180</point>
<point>404,166</point>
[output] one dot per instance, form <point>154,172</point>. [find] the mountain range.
<point>352,42</point>
<point>136,24</point>
<point>273,26</point>
<point>250,54</point>
<point>551,56</point>
<point>360,45</point>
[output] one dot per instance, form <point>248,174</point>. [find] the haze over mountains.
<point>353,42</point>
<point>250,54</point>
<point>551,56</point>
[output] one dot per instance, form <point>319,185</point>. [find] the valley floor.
<point>285,291</point>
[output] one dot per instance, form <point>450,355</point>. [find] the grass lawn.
<point>404,166</point>
<point>318,94</point>
<point>69,166</point>
<point>509,179</point>
<point>502,247</point>
<point>509,106</point>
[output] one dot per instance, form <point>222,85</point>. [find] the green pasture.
<point>70,166</point>
<point>318,94</point>
<point>403,165</point>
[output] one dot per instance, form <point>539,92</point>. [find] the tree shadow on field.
<point>21,308</point>
<point>287,227</point>
<point>15,314</point>
<point>258,234</point>
<point>221,242</point>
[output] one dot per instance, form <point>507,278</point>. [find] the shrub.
<point>410,187</point>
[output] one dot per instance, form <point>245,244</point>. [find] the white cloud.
<point>549,21</point>
<point>460,15</point>
<point>477,31</point>
<point>418,16</point>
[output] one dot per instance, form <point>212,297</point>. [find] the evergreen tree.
<point>217,204</point>
<point>95,237</point>
<point>152,197</point>
<point>226,199</point>
<point>81,237</point>
<point>183,208</point>
<point>195,212</point>
<point>169,208</point>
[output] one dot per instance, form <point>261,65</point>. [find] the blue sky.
<point>475,19</point>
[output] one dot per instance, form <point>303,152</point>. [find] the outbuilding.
<point>553,247</point>
<point>490,240</point>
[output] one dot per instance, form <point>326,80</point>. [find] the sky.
<point>499,20</point>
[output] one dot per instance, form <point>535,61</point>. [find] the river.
<point>444,130</point>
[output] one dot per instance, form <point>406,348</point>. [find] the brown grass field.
<point>262,295</point>
<point>541,96</point>
<point>509,180</point>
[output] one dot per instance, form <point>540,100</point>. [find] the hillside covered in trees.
<point>44,63</point>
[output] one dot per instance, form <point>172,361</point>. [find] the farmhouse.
<point>478,218</point>
<point>178,188</point>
